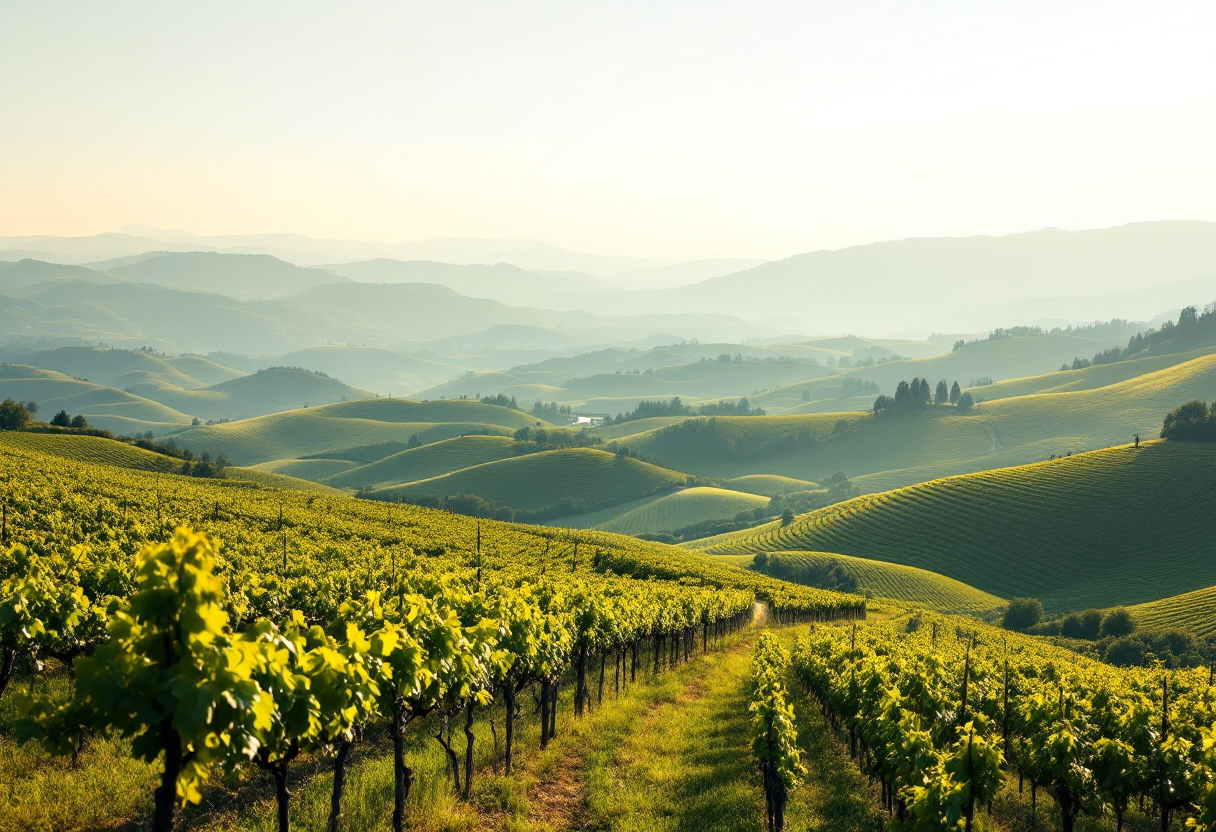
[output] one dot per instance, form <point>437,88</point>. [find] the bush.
<point>1128,651</point>
<point>966,402</point>
<point>1083,625</point>
<point>1022,614</point>
<point>1117,623</point>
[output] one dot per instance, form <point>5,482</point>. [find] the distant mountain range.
<point>905,287</point>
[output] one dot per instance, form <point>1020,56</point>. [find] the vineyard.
<point>1002,531</point>
<point>948,715</point>
<point>906,584</point>
<point>288,625</point>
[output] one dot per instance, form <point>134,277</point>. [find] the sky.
<point>657,129</point>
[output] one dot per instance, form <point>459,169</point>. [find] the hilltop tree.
<point>1191,421</point>
<point>903,396</point>
<point>942,394</point>
<point>62,420</point>
<point>926,394</point>
<point>956,393</point>
<point>13,415</point>
<point>966,402</point>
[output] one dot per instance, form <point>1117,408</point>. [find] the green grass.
<point>675,511</point>
<point>666,512</point>
<point>769,485</point>
<point>425,462</point>
<point>89,449</point>
<point>626,429</point>
<point>1111,527</point>
<point>906,584</point>
<point>539,480</point>
<point>314,470</point>
<point>266,479</point>
<point>1194,611</point>
<point>299,433</point>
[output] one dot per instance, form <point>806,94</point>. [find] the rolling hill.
<point>543,479</point>
<point>300,433</point>
<point>382,371</point>
<point>888,452</point>
<point>1076,532</point>
<point>906,584</point>
<point>668,512</point>
<point>273,390</point>
<point>241,276</point>
<point>1194,611</point>
<point>124,368</point>
<point>426,462</point>
<point>768,485</point>
<point>105,408</point>
<point>90,449</point>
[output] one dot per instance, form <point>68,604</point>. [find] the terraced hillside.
<point>907,584</point>
<point>668,512</point>
<point>1079,532</point>
<point>883,453</point>
<point>425,462</point>
<point>314,470</point>
<point>89,449</point>
<point>299,433</point>
<point>1194,611</point>
<point>543,479</point>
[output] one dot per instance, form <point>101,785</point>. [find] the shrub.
<point>1022,614</point>
<point>1083,625</point>
<point>1117,623</point>
<point>966,402</point>
<point>1126,652</point>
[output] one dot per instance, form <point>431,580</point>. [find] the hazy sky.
<point>662,129</point>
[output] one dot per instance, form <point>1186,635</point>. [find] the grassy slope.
<point>624,429</point>
<point>425,462</point>
<point>1090,378</point>
<point>1118,526</point>
<point>89,449</point>
<point>266,479</point>
<point>769,485</point>
<point>314,470</point>
<point>105,407</point>
<point>299,433</point>
<point>879,454</point>
<point>674,511</point>
<point>1194,611</point>
<point>906,584</point>
<point>539,480</point>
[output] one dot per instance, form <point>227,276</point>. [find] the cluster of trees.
<point>1193,421</point>
<point>16,415</point>
<point>1192,331</point>
<point>675,407</point>
<point>1117,640</point>
<point>821,575</point>
<point>918,394</point>
<point>501,401</point>
<point>532,440</point>
<point>551,411</point>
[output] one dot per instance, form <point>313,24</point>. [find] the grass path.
<point>672,756</point>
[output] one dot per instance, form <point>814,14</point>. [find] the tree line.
<point>1192,331</point>
<point>647,409</point>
